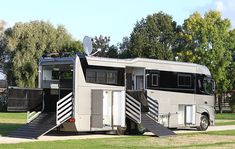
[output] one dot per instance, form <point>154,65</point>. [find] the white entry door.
<point>107,108</point>
<point>139,82</point>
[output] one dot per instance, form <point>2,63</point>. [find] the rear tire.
<point>204,123</point>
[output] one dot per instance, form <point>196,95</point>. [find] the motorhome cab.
<point>86,93</point>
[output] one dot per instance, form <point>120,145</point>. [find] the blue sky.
<point>114,18</point>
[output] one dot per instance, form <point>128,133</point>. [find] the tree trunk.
<point>215,102</point>
<point>220,96</point>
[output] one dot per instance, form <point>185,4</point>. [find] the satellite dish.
<point>87,45</point>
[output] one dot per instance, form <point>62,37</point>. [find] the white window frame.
<point>114,72</point>
<point>97,71</point>
<point>184,75</point>
<point>91,70</point>
<point>157,79</point>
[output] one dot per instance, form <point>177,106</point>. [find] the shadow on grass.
<point>6,128</point>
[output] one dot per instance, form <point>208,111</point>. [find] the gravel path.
<point>4,140</point>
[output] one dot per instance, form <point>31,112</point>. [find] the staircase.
<point>44,122</point>
<point>149,120</point>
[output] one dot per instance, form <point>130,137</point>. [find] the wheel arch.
<point>207,115</point>
<point>203,110</point>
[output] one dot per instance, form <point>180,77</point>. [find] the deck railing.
<point>133,109</point>
<point>64,109</point>
<point>153,108</point>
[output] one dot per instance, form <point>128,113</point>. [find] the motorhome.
<point>85,93</point>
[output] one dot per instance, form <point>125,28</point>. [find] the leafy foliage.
<point>2,43</point>
<point>124,48</point>
<point>102,43</point>
<point>206,43</point>
<point>154,37</point>
<point>232,103</point>
<point>26,43</point>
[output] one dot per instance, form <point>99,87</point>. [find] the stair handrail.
<point>64,108</point>
<point>133,108</point>
<point>153,108</point>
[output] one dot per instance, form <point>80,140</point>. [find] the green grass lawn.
<point>6,128</point>
<point>223,123</point>
<point>225,132</point>
<point>129,142</point>
<point>221,132</point>
<point>11,121</point>
<point>225,116</point>
<point>10,117</point>
<point>221,139</point>
<point>225,119</point>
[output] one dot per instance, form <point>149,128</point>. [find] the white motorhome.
<point>86,93</point>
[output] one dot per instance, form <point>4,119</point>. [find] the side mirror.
<point>213,85</point>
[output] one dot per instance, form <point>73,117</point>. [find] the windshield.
<point>208,86</point>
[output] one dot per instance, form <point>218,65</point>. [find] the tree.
<point>206,42</point>
<point>231,46</point>
<point>231,69</point>
<point>125,44</point>
<point>2,44</point>
<point>124,48</point>
<point>73,46</point>
<point>102,43</point>
<point>154,37</point>
<point>26,43</point>
<point>112,52</point>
